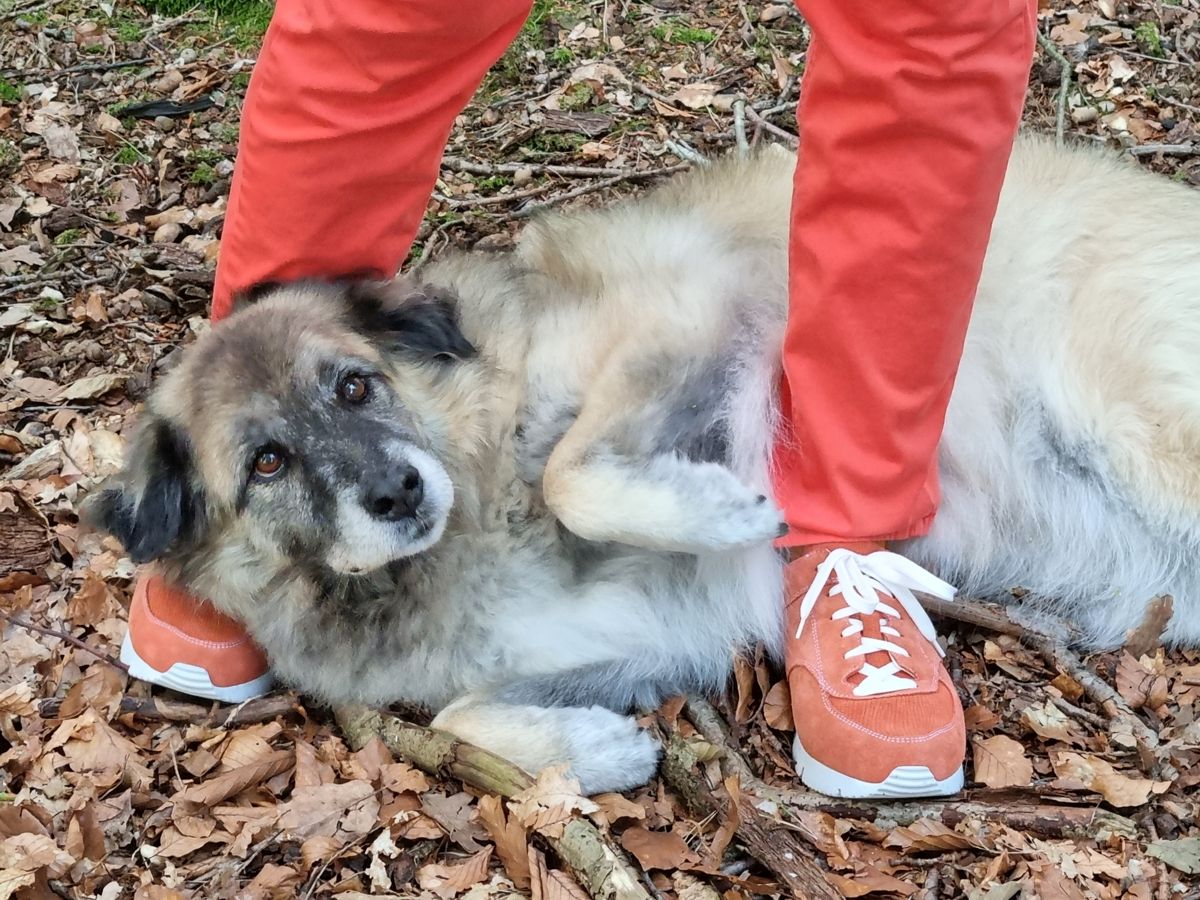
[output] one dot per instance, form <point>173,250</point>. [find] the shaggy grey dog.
<point>531,490</point>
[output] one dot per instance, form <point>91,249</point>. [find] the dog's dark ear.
<point>254,293</point>
<point>421,321</point>
<point>154,505</point>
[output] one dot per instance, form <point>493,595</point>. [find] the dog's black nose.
<point>394,494</point>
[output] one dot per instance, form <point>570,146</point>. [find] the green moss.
<point>492,183</point>
<point>1149,39</point>
<point>128,155</point>
<point>227,132</point>
<point>70,236</point>
<point>560,56</point>
<point>204,174</point>
<point>9,92</point>
<point>579,96</point>
<point>10,157</point>
<point>556,142</point>
<point>676,33</point>
<point>205,155</point>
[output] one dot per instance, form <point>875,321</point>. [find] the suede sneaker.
<point>876,713</point>
<point>180,642</point>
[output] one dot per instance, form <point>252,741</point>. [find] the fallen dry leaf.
<point>550,802</point>
<point>1000,762</point>
<point>658,849</point>
<point>451,879</point>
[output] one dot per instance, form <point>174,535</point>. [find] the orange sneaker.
<point>182,643</point>
<point>876,713</point>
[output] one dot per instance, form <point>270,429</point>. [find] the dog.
<point>532,490</point>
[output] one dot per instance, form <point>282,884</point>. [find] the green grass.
<point>227,132</point>
<point>676,33</point>
<point>204,155</point>
<point>127,29</point>
<point>244,20</point>
<point>556,142</point>
<point>1149,39</point>
<point>512,64</point>
<point>9,92</point>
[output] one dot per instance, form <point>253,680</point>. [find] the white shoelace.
<point>866,584</point>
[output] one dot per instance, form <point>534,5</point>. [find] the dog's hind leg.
<point>636,465</point>
<point>606,751</point>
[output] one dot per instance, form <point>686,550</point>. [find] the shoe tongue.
<point>873,628</point>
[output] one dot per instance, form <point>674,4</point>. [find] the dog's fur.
<point>592,420</point>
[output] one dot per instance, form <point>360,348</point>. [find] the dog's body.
<point>591,533</point>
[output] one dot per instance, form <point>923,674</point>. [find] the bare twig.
<point>75,70</point>
<point>62,635</point>
<point>24,10</point>
<point>599,866</point>
<point>1064,85</point>
<point>684,150</point>
<point>456,164</point>
<point>161,709</point>
<point>739,124</point>
<point>470,202</point>
<point>530,208</point>
<point>1173,101</point>
<point>1154,59</point>
<point>1165,149</point>
<point>762,123</point>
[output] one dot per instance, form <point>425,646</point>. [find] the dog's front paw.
<point>746,523</point>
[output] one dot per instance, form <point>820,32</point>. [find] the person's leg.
<point>908,114</point>
<point>346,117</point>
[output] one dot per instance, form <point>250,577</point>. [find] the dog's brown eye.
<point>353,389</point>
<point>268,463</point>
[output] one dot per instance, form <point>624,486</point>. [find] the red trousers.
<point>908,111</point>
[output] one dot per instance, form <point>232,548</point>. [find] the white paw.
<point>730,516</point>
<point>609,752</point>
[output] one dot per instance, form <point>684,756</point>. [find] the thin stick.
<point>62,635</point>
<point>456,164</point>
<point>1165,149</point>
<point>75,70</point>
<point>531,208</point>
<point>161,709</point>
<point>762,123</point>
<point>684,150</point>
<point>1064,85</point>
<point>469,202</point>
<point>739,125</point>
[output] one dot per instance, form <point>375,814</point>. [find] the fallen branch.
<point>772,843</point>
<point>600,867</point>
<point>30,74</point>
<point>739,125</point>
<point>531,208</point>
<point>64,636</point>
<point>455,164</point>
<point>1048,819</point>
<point>1165,149</point>
<point>762,123</point>
<point>160,709</point>
<point>1064,85</point>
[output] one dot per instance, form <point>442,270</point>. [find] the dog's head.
<point>308,428</point>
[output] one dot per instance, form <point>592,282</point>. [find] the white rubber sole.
<point>904,781</point>
<point>192,680</point>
